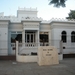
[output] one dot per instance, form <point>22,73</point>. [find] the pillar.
<point>38,39</point>
<point>49,33</point>
<point>17,50</point>
<point>23,37</point>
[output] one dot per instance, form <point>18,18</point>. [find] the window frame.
<point>64,36</point>
<point>73,36</point>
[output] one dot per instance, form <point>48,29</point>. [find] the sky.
<point>45,11</point>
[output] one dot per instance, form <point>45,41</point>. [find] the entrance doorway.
<point>30,40</point>
<point>15,36</point>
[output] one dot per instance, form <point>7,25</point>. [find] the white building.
<point>32,32</point>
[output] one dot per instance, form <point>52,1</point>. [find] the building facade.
<point>32,32</point>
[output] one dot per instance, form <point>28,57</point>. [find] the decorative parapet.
<point>31,18</point>
<point>4,18</point>
<point>58,20</point>
<point>27,9</point>
<point>62,20</point>
<point>16,19</point>
<point>11,18</point>
<point>45,21</point>
<point>71,19</point>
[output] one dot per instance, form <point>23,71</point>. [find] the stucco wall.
<point>15,27</point>
<point>26,13</point>
<point>3,38</point>
<point>44,27</point>
<point>56,29</point>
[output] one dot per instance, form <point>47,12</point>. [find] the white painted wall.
<point>15,26</point>
<point>44,27</point>
<point>56,37</point>
<point>3,41</point>
<point>24,13</point>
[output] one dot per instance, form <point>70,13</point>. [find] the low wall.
<point>29,58</point>
<point>22,58</point>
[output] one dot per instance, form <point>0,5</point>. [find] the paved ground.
<point>66,67</point>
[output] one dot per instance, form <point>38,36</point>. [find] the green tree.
<point>71,15</point>
<point>58,3</point>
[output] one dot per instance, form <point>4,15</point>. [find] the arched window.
<point>73,36</point>
<point>64,36</point>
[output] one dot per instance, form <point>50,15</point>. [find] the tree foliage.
<point>58,3</point>
<point>71,15</point>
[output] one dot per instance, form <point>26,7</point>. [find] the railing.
<point>31,44</point>
<point>14,44</point>
<point>35,44</point>
<point>25,44</point>
<point>44,44</point>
